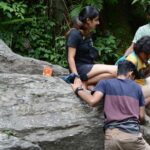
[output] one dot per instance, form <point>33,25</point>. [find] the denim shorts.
<point>83,70</point>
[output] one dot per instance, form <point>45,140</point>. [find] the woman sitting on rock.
<point>81,54</point>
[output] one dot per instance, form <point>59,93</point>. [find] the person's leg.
<point>101,68</point>
<point>90,74</point>
<point>147,101</point>
<point>111,141</point>
<point>147,80</point>
<point>146,90</point>
<point>97,78</point>
<point>99,72</point>
<point>111,145</point>
<point>135,143</point>
<point>146,93</point>
<point>125,141</point>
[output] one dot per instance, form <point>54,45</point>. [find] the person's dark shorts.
<point>83,70</point>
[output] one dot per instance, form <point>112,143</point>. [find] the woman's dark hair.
<point>88,12</point>
<point>142,45</point>
<point>126,66</point>
<point>148,9</point>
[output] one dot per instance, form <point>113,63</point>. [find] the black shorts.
<point>83,70</point>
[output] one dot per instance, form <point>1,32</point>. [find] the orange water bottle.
<point>47,71</point>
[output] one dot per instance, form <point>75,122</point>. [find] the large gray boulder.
<point>42,113</point>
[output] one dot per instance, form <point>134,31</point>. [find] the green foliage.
<point>75,11</point>
<point>6,36</point>
<point>37,40</point>
<point>9,133</point>
<point>19,9</point>
<point>58,53</point>
<point>142,2</point>
<point>113,2</point>
<point>6,7</point>
<point>35,36</point>
<point>107,48</point>
<point>76,8</point>
<point>96,3</point>
<point>11,10</point>
<point>16,21</point>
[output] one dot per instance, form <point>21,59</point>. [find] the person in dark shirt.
<point>81,54</point>
<point>123,108</point>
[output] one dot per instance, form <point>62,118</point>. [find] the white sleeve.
<point>137,35</point>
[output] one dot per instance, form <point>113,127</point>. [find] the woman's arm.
<point>72,65</point>
<point>71,59</point>
<point>129,50</point>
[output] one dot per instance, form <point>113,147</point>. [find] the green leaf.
<point>135,1</point>
<point>75,10</point>
<point>46,56</point>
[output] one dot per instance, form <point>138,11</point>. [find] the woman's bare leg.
<point>147,101</point>
<point>147,80</point>
<point>97,78</point>
<point>99,72</point>
<point>101,68</point>
<point>146,91</point>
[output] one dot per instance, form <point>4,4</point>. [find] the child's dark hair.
<point>126,66</point>
<point>148,9</point>
<point>88,12</point>
<point>142,45</point>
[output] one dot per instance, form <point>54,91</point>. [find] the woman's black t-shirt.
<point>85,52</point>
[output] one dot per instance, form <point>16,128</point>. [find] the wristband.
<point>78,89</point>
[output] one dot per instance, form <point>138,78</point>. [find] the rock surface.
<point>41,113</point>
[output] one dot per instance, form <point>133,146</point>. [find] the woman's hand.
<point>78,81</point>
